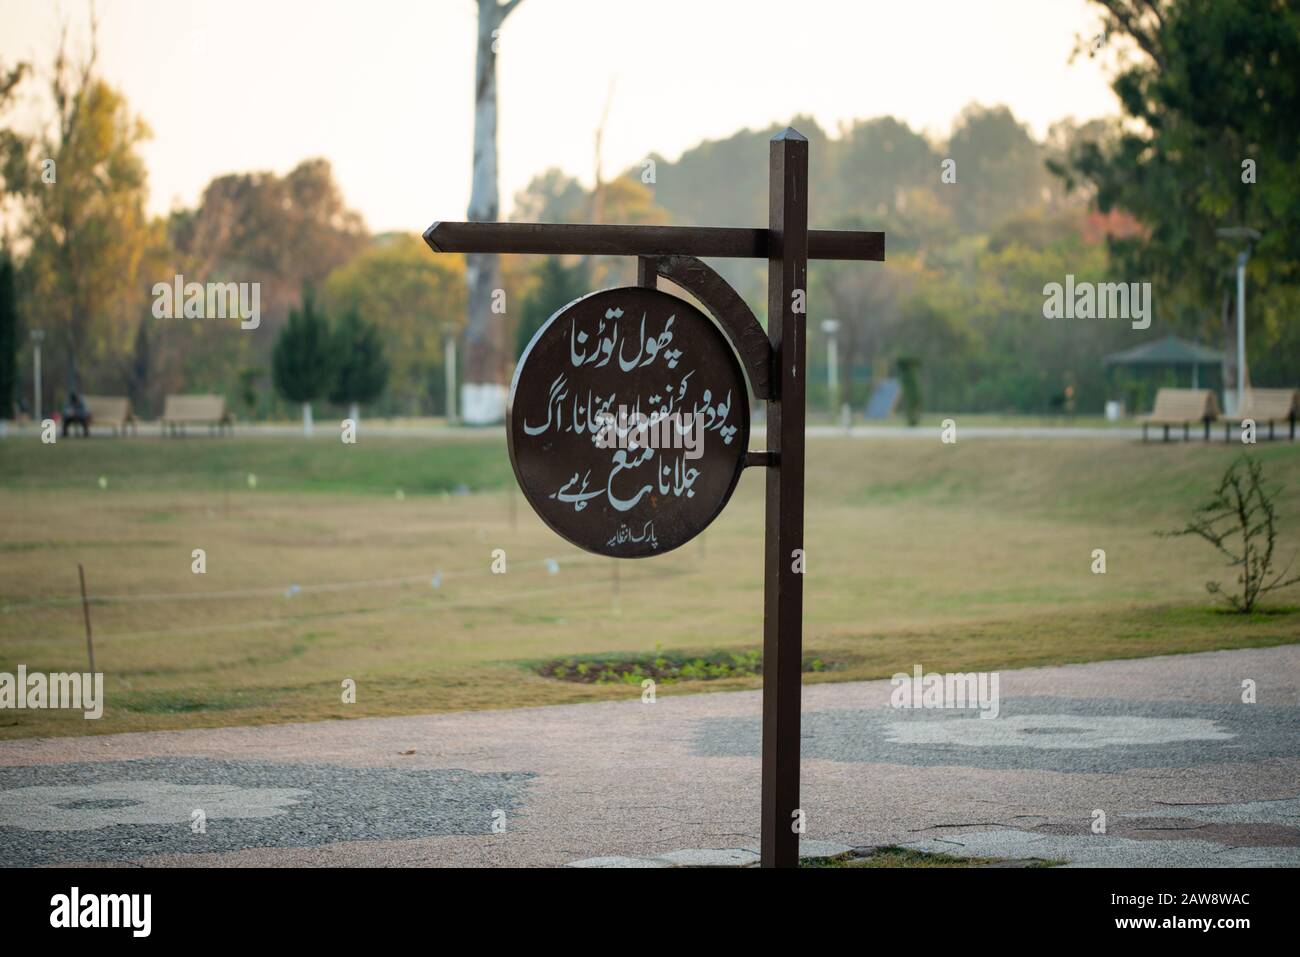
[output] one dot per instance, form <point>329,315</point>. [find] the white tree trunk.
<point>483,394</point>
<point>306,420</point>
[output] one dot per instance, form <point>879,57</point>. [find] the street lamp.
<point>830,327</point>
<point>38,336</point>
<point>1251,236</point>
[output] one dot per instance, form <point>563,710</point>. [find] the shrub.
<point>1241,522</point>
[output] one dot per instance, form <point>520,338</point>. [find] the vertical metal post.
<point>787,273</point>
<point>85,610</point>
<point>1241,330</point>
<point>831,327</point>
<point>647,271</point>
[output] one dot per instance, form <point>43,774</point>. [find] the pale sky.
<point>384,88</point>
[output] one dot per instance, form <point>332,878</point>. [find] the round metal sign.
<point>628,422</point>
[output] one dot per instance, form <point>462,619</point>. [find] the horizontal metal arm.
<point>700,241</point>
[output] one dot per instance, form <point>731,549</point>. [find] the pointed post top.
<point>790,133</point>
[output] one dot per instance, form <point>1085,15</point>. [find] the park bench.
<point>1182,407</point>
<point>182,410</point>
<point>111,410</point>
<point>1265,405</point>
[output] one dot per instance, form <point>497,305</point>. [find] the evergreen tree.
<point>911,399</point>
<point>558,286</point>
<point>362,370</point>
<point>8,338</point>
<point>303,360</point>
<point>141,369</point>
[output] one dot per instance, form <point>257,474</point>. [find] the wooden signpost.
<point>628,422</point>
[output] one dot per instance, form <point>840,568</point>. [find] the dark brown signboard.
<point>628,422</point>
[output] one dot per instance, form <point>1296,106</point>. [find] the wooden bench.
<point>182,410</point>
<point>1182,407</point>
<point>111,410</point>
<point>1265,405</point>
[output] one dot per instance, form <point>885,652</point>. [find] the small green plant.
<point>911,384</point>
<point>1241,522</point>
<point>665,667</point>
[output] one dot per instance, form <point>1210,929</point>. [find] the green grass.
<point>967,557</point>
<point>666,667</point>
<point>894,856</point>
<point>199,463</point>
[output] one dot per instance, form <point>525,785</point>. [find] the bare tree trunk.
<point>483,392</point>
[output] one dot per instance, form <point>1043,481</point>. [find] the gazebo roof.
<point>1169,351</point>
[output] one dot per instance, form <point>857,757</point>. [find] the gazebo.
<point>1170,351</point>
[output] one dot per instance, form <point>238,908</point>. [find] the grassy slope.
<point>968,556</point>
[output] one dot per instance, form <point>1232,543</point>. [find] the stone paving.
<point>1184,772</point>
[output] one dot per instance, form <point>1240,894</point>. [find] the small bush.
<point>1241,522</point>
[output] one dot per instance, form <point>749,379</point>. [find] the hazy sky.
<point>384,88</point>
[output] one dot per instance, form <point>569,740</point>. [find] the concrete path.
<point>1185,773</point>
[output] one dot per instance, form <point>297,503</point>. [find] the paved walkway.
<point>1185,773</point>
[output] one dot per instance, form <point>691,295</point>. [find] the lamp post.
<point>38,336</point>
<point>830,327</point>
<point>1250,236</point>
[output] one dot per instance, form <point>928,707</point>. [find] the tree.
<point>882,171</point>
<point>911,400</point>
<point>999,167</point>
<point>83,188</point>
<point>285,232</point>
<point>417,303</point>
<point>866,302</point>
<point>8,337</point>
<point>1209,140</point>
<point>13,147</point>
<point>141,367</point>
<point>362,369</point>
<point>303,360</point>
<point>551,197</point>
<point>557,286</point>
<point>483,392</point>
<point>248,377</point>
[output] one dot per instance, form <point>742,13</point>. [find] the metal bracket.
<point>732,312</point>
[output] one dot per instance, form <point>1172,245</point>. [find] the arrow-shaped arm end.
<point>431,237</point>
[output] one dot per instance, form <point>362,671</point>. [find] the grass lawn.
<point>893,856</point>
<point>968,556</point>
